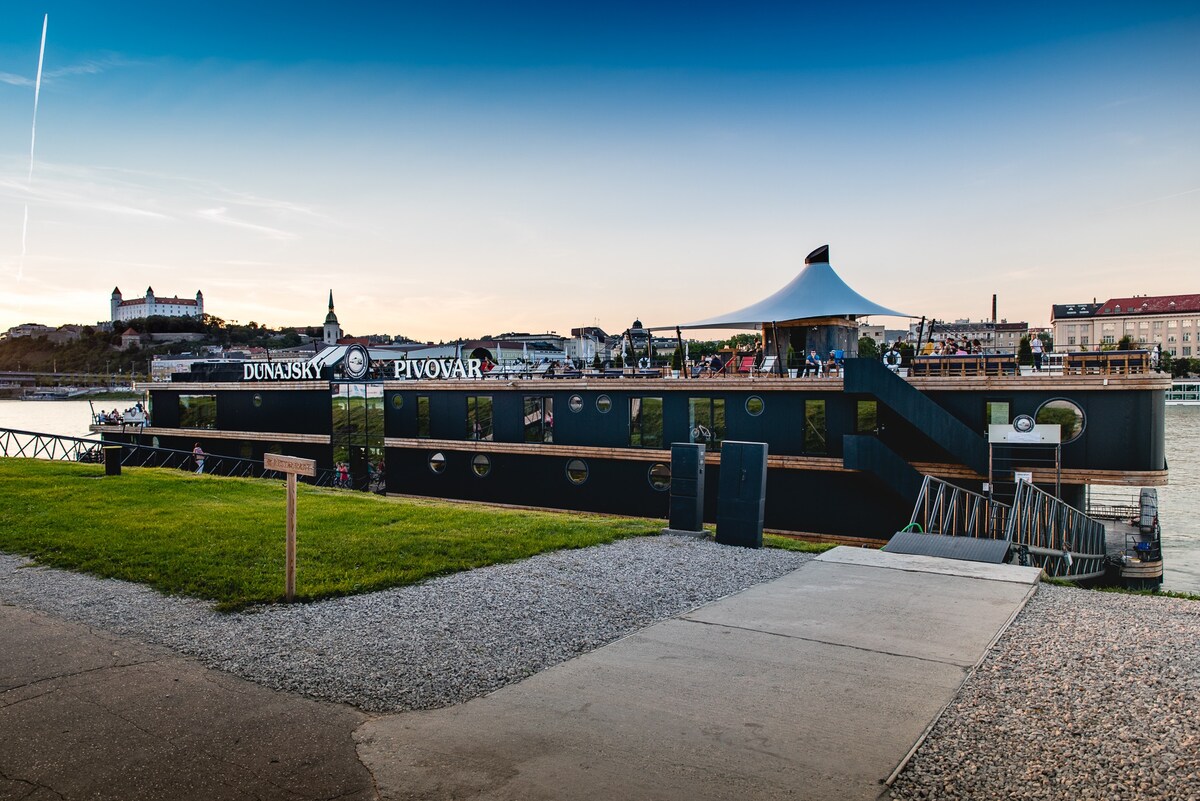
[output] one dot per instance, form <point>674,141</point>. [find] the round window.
<point>257,399</point>
<point>754,406</point>
<point>481,464</point>
<point>603,404</point>
<point>575,404</point>
<point>577,471</point>
<point>397,401</point>
<point>1065,413</point>
<point>437,463</point>
<point>660,476</point>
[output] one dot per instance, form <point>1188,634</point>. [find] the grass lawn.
<point>222,539</point>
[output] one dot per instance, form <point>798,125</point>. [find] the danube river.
<point>1179,504</point>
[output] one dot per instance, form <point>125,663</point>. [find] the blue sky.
<point>462,169</point>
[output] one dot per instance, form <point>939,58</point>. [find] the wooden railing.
<point>1107,362</point>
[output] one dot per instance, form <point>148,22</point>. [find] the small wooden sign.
<point>291,465</point>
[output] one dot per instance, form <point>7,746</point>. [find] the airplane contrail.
<point>37,91</point>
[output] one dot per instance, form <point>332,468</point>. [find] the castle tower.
<point>333,331</point>
<point>115,303</point>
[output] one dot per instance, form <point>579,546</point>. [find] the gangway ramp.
<point>817,685</point>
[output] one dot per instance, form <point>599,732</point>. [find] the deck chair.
<point>766,368</point>
<point>746,364</point>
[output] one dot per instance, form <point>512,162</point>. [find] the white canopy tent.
<point>816,292</point>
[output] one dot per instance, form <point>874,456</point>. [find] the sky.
<point>460,169</point>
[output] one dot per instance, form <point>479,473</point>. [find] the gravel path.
<point>424,646</point>
<point>1088,695</point>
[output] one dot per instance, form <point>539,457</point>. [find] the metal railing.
<point>1042,531</point>
<point>943,508</point>
<point>1045,532</point>
<point>54,447</point>
<point>32,445</point>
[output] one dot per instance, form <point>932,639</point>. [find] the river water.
<point>1179,503</point>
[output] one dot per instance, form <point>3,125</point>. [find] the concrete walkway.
<point>816,685</point>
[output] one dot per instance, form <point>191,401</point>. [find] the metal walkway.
<point>1038,530</point>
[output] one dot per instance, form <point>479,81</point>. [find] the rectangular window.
<point>814,427</point>
<point>645,422</point>
<point>197,411</point>
<point>1187,336</point>
<point>423,416</point>
<point>479,417</point>
<point>867,421</point>
<point>998,413</point>
<point>357,424</point>
<point>1158,325</point>
<point>1108,339</point>
<point>706,422</point>
<point>539,419</point>
<point>1187,350</point>
<point>1070,340</point>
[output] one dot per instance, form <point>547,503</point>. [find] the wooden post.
<point>290,583</point>
<point>291,466</point>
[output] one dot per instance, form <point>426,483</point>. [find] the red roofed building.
<point>151,306</point>
<point>1172,321</point>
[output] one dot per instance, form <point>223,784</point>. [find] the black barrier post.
<point>742,493</point>
<point>687,488</point>
<point>112,460</point>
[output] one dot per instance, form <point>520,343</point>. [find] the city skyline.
<point>470,169</point>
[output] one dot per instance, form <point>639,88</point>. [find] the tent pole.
<point>775,339</point>
<point>683,361</point>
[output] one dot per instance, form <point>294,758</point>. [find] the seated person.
<point>715,365</point>
<point>812,364</point>
<point>831,364</point>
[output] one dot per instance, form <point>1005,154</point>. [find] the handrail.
<point>943,508</point>
<point>1055,536</point>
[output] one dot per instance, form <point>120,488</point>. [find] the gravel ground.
<point>428,645</point>
<point>1088,695</point>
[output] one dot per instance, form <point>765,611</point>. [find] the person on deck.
<point>812,364</point>
<point>199,455</point>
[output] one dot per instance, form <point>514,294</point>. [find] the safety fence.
<point>54,447</point>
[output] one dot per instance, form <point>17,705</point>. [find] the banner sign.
<point>438,368</point>
<point>280,371</point>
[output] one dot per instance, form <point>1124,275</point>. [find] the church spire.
<point>331,317</point>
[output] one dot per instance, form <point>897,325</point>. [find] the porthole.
<point>754,406</point>
<point>577,471</point>
<point>257,399</point>
<point>575,403</point>
<point>1066,414</point>
<point>397,401</point>
<point>481,465</point>
<point>603,404</point>
<point>660,476</point>
<point>437,463</point>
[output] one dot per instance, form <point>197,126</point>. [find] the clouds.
<point>91,66</point>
